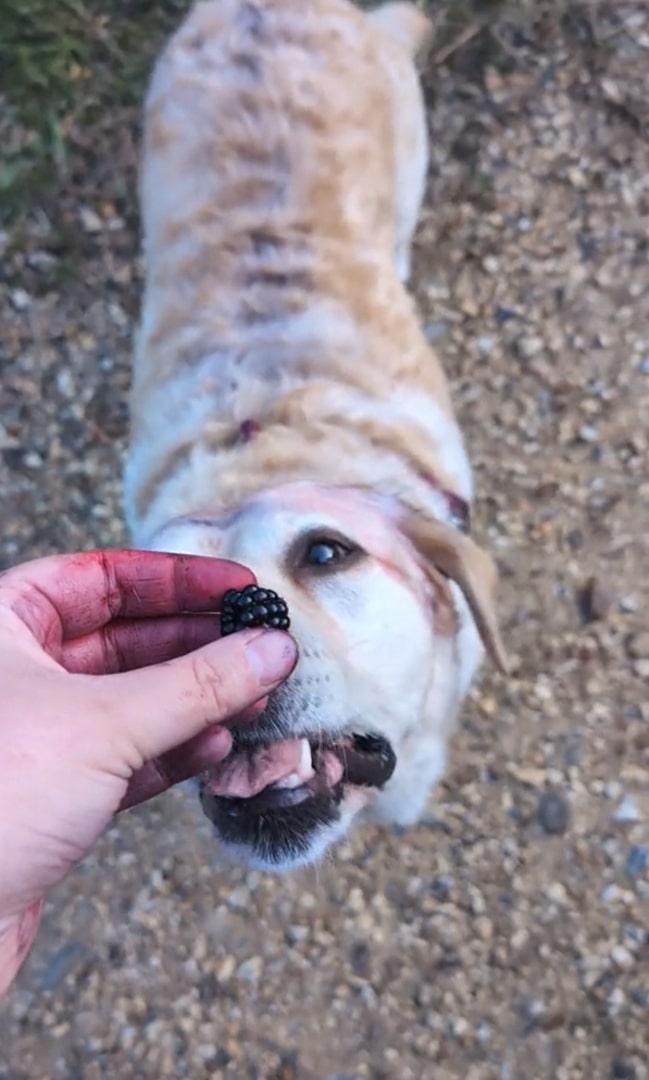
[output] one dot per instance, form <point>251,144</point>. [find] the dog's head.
<point>388,609</point>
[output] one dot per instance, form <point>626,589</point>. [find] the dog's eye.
<point>321,553</point>
<point>325,552</point>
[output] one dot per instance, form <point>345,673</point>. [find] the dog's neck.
<point>458,508</point>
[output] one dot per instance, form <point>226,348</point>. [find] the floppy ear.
<point>407,25</point>
<point>460,558</point>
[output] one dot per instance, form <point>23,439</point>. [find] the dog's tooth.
<point>293,780</point>
<point>306,762</point>
<point>303,770</point>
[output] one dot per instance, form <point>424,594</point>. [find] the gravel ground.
<point>507,937</point>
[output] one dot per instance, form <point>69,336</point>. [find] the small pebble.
<point>90,220</point>
<point>595,600</point>
<point>440,888</point>
<point>505,315</point>
<point>621,957</point>
<point>627,812</point>
<point>63,963</point>
<point>20,299</point>
<point>620,1070</point>
<point>239,897</point>
<point>556,893</point>
<point>628,604</point>
<point>637,861</point>
<point>553,813</point>
<point>41,260</point>
<point>250,970</point>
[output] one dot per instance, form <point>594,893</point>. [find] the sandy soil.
<point>507,937</point>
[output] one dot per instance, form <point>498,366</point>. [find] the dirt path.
<point>507,938</point>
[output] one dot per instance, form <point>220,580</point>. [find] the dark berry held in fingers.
<point>253,606</point>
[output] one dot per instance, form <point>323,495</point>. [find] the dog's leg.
<point>405,33</point>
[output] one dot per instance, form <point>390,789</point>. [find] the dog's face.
<point>387,649</point>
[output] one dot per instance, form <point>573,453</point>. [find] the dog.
<point>288,413</point>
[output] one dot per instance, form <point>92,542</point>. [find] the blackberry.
<point>253,606</point>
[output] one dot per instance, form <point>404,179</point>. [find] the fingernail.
<point>272,655</point>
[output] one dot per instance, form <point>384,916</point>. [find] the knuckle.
<point>113,656</point>
<point>115,601</point>
<point>214,684</point>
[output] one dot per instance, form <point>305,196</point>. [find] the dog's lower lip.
<point>271,798</point>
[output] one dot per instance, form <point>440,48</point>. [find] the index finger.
<point>64,596</point>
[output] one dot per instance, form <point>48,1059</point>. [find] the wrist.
<point>17,935</point>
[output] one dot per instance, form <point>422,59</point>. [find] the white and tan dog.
<point>288,413</point>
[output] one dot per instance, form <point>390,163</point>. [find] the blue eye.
<point>325,553</point>
<point>322,553</point>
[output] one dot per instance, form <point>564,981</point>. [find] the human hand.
<point>87,725</point>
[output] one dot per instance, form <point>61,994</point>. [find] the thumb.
<point>157,708</point>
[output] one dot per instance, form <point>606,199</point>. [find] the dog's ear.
<point>461,560</point>
<point>405,24</point>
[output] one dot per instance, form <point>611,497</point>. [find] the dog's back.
<point>281,115</point>
<point>284,163</point>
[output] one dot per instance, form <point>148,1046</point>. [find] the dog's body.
<point>285,395</point>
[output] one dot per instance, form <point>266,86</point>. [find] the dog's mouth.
<point>273,796</point>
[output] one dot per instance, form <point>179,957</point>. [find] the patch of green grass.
<point>62,63</point>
